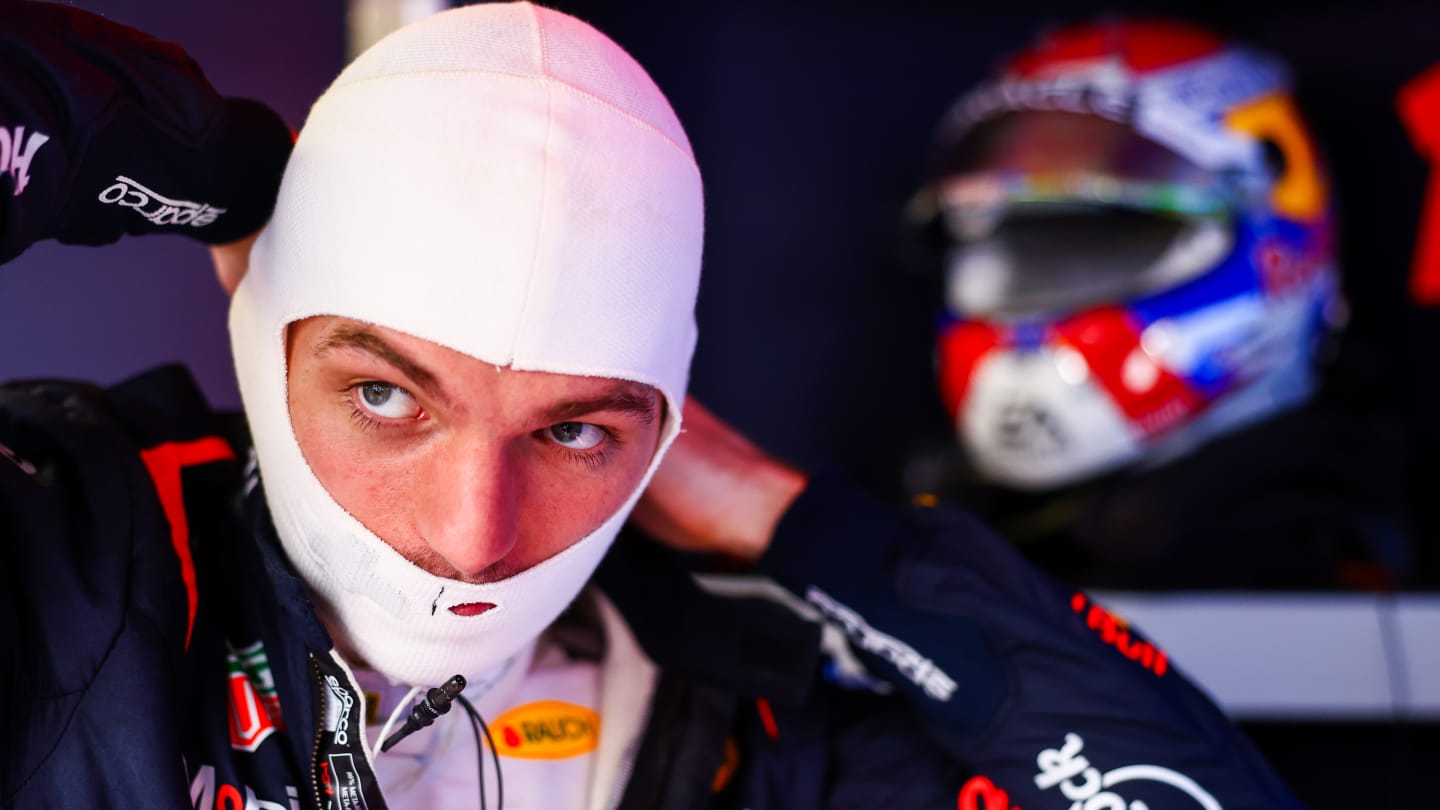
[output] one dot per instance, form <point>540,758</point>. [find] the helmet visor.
<point>1051,211</point>
<point>1036,263</point>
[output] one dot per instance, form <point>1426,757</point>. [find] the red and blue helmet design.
<point>1140,251</point>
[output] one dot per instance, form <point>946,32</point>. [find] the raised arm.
<point>1049,699</point>
<point>106,131</point>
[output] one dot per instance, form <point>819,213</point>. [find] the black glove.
<point>105,130</point>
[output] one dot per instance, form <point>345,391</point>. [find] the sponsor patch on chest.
<point>254,702</point>
<point>546,729</point>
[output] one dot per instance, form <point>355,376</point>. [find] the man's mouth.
<point>471,608</point>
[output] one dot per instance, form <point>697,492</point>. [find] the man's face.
<point>470,471</point>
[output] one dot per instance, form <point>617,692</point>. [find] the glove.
<point>105,131</point>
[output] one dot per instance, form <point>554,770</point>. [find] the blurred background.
<point>813,123</point>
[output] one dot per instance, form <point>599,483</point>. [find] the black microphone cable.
<point>438,701</point>
<point>477,724</point>
<point>479,751</point>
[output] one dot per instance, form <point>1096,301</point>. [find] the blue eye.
<point>577,435</point>
<point>388,401</point>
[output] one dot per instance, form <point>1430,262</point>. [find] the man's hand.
<point>107,131</point>
<point>716,492</point>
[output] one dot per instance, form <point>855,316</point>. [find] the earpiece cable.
<point>476,721</point>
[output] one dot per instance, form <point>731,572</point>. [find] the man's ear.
<point>231,260</point>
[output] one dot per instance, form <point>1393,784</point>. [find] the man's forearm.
<point>107,131</point>
<point>1024,680</point>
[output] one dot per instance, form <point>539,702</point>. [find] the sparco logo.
<point>156,207</point>
<point>16,153</point>
<point>337,710</point>
<point>1088,789</point>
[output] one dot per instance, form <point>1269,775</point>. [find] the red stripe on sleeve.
<point>165,461</point>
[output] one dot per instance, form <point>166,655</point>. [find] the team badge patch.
<point>547,729</point>
<point>254,703</point>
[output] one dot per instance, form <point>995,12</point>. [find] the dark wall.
<point>811,123</point>
<point>104,314</point>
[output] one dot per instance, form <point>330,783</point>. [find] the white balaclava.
<point>505,181</point>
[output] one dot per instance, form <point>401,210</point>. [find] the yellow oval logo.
<point>546,729</point>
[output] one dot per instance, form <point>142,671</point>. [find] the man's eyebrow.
<point>352,337</point>
<point>642,404</point>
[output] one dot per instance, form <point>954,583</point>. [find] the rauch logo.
<point>547,729</point>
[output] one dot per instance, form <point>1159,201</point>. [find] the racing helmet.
<point>1139,251</point>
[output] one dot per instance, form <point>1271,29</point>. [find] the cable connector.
<point>437,702</point>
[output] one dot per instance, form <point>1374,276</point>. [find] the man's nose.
<point>470,505</point>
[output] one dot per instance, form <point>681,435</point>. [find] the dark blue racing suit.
<point>159,652</point>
